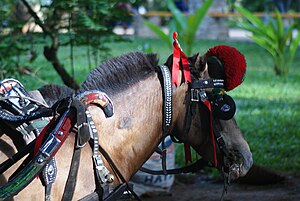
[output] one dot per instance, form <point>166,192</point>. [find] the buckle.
<point>195,95</point>
<point>198,94</point>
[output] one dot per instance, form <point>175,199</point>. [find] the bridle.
<point>197,95</point>
<point>219,105</point>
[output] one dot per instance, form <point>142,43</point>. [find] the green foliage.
<point>185,26</point>
<point>12,39</point>
<point>272,36</point>
<point>88,23</point>
<point>257,6</point>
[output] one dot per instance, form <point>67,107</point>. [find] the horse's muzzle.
<point>238,163</point>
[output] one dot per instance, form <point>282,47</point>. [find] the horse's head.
<point>208,121</point>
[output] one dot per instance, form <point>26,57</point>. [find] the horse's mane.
<point>119,73</point>
<point>52,93</point>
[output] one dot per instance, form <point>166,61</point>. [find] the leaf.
<point>264,44</point>
<point>158,31</point>
<point>89,23</point>
<point>252,18</point>
<point>178,16</point>
<point>294,46</point>
<point>280,26</point>
<point>195,20</point>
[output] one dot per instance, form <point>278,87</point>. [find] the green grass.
<point>268,107</point>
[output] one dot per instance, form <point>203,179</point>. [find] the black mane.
<point>121,72</point>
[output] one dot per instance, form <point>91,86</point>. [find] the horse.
<point>131,135</point>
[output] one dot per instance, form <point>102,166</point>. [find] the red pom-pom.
<point>234,64</point>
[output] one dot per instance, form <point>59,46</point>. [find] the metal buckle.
<point>203,95</point>
<point>195,95</point>
<point>50,146</point>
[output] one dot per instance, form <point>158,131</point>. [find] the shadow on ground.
<point>202,188</point>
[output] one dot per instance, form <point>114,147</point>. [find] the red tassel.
<point>187,153</point>
<point>179,55</point>
<point>207,103</point>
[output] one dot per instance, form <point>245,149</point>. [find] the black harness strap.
<point>31,168</point>
<point>82,138</point>
<point>15,158</point>
<point>72,178</point>
<point>117,172</point>
<point>166,83</point>
<point>199,164</point>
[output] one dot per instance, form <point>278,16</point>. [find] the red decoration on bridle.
<point>179,56</point>
<point>234,64</point>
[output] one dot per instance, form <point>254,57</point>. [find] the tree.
<point>12,18</point>
<point>87,22</point>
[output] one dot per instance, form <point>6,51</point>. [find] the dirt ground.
<point>198,188</point>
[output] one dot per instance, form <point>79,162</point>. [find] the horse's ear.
<point>198,63</point>
<point>169,62</point>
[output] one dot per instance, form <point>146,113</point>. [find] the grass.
<point>268,107</point>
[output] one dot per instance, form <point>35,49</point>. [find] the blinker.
<point>223,107</point>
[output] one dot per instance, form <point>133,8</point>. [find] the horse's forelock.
<point>121,72</point>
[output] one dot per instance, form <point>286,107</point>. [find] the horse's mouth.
<point>237,164</point>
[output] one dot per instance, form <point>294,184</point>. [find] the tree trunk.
<point>51,55</point>
<point>51,52</point>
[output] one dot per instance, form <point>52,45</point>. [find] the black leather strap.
<point>43,112</point>
<point>72,177</point>
<point>166,83</point>
<point>209,83</point>
<point>198,165</point>
<point>83,134</point>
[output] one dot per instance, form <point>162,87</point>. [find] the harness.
<point>41,151</point>
<point>65,114</point>
<point>218,104</point>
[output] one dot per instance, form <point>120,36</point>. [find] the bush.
<point>273,37</point>
<point>185,26</point>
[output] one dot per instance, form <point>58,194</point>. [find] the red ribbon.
<point>179,55</point>
<point>187,154</point>
<point>208,105</point>
<point>40,137</point>
<point>187,149</point>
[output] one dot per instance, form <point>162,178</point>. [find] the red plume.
<point>234,64</point>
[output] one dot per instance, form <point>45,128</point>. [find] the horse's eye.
<point>215,68</point>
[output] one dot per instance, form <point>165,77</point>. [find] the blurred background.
<point>61,41</point>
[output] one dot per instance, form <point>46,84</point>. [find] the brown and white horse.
<point>131,135</point>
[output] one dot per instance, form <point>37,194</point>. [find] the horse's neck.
<point>131,135</point>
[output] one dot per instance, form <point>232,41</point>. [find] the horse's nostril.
<point>235,157</point>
